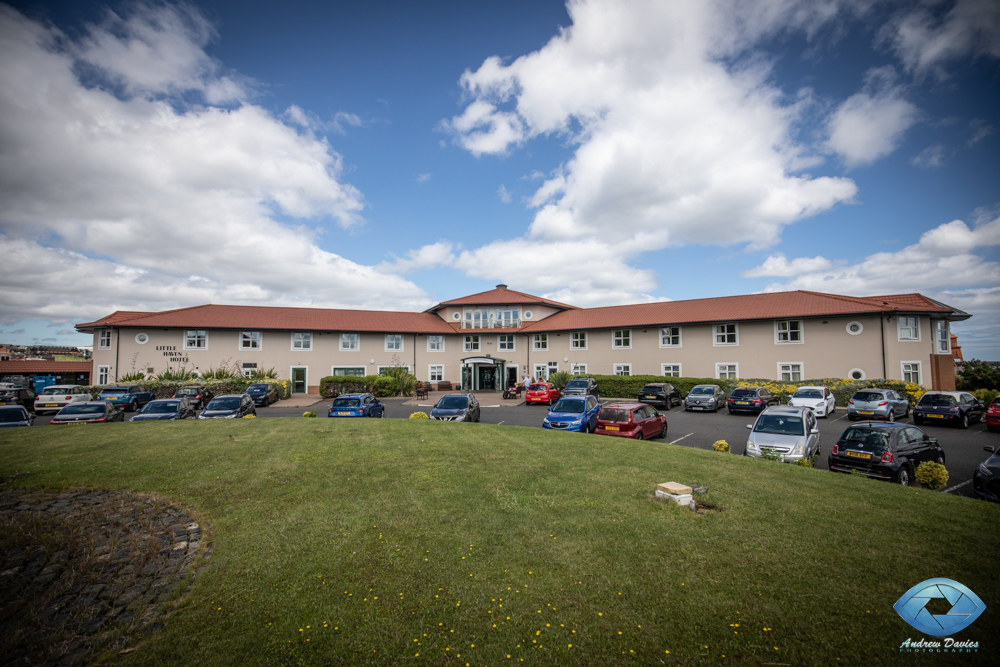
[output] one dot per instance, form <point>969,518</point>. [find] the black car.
<point>165,409</point>
<point>15,415</point>
<point>229,406</point>
<point>751,399</point>
<point>660,394</point>
<point>584,386</point>
<point>957,408</point>
<point>20,396</point>
<point>885,451</point>
<point>263,394</point>
<point>196,396</point>
<point>986,478</point>
<point>92,412</point>
<point>456,408</point>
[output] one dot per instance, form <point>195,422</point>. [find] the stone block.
<point>674,488</point>
<point>683,499</point>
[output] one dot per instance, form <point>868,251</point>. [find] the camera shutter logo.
<point>965,607</point>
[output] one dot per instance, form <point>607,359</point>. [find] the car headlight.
<point>577,422</point>
<point>202,417</point>
<point>751,445</point>
<point>984,471</point>
<point>231,416</point>
<point>546,420</point>
<point>461,418</point>
<point>797,450</point>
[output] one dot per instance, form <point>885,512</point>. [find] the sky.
<point>391,155</point>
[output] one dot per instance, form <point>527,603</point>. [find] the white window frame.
<point>778,332</point>
<point>471,343</point>
<point>304,340</point>
<point>664,367</point>
<point>680,340</point>
<point>727,364</point>
<point>430,372</point>
<point>391,342</point>
<point>540,342</point>
<point>188,337</point>
<point>254,336</point>
<point>716,333</point>
<point>103,374</point>
<point>364,370</point>
<point>541,371</point>
<point>624,370</point>
<point>914,368</point>
<point>618,337</point>
<point>356,342</point>
<point>379,369</point>
<point>435,339</point>
<point>512,343</point>
<point>578,340</point>
<point>850,374</point>
<point>578,369</point>
<point>101,344</point>
<point>791,372</point>
<point>900,327</point>
<point>938,341</point>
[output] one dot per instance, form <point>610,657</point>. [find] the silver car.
<point>790,433</point>
<point>705,397</point>
<point>877,404</point>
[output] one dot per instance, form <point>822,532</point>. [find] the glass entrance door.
<point>299,376</point>
<point>487,377</point>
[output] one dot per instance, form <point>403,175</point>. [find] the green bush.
<point>135,376</point>
<point>166,388</point>
<point>333,386</point>
<point>310,414</point>
<point>721,446</point>
<point>932,475</point>
<point>986,395</point>
<point>260,375</point>
<point>384,386</point>
<point>560,379</point>
<point>419,415</point>
<point>806,461</point>
<point>977,374</point>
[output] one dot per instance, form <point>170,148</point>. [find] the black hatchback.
<point>751,399</point>
<point>890,452</point>
<point>196,396</point>
<point>986,478</point>
<point>232,406</point>
<point>92,412</point>
<point>263,394</point>
<point>660,394</point>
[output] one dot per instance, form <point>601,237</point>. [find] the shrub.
<point>932,475</point>
<point>249,416</point>
<point>560,379</point>
<point>135,376</point>
<point>259,375</point>
<point>333,386</point>
<point>419,415</point>
<point>309,414</point>
<point>384,386</point>
<point>986,395</point>
<point>807,461</point>
<point>721,446</point>
<point>175,374</point>
<point>977,374</point>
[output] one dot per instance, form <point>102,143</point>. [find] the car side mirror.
<point>749,425</point>
<point>815,431</point>
<point>990,449</point>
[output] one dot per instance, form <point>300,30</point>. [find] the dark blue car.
<point>15,415</point>
<point>573,413</point>
<point>165,409</point>
<point>356,405</point>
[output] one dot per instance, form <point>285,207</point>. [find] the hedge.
<point>382,386</point>
<point>166,388</point>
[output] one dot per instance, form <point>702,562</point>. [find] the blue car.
<point>573,413</point>
<point>15,415</point>
<point>166,409</point>
<point>356,405</point>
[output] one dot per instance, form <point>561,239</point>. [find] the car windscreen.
<point>18,415</point>
<point>937,399</point>
<point>614,415</point>
<point>257,387</point>
<point>780,425</point>
<point>744,393</point>
<point>225,403</point>
<point>868,396</point>
<point>808,393</point>
<point>538,387</point>
<point>115,390</point>
<point>346,402</point>
<point>453,403</point>
<point>576,384</point>
<point>51,391</point>
<point>161,407</point>
<point>865,437</point>
<point>652,389</point>
<point>703,390</point>
<point>82,409</point>
<point>565,405</point>
<point>188,391</point>
<point>996,401</point>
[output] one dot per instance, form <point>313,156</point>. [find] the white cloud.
<point>66,332</point>
<point>932,156</point>
<point>135,192</point>
<point>778,265</point>
<point>503,194</point>
<point>980,130</point>
<point>932,33</point>
<point>423,178</point>
<point>427,257</point>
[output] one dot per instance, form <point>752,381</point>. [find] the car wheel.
<point>965,421</point>
<point>982,418</point>
<point>586,428</point>
<point>663,431</point>
<point>638,435</point>
<point>907,413</point>
<point>730,411</point>
<point>903,476</point>
<point>890,416</point>
<point>940,458</point>
<point>133,406</point>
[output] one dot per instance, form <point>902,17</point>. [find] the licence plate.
<point>858,455</point>
<point>866,412</point>
<point>936,416</point>
<point>651,397</point>
<point>51,405</point>
<point>610,428</point>
<point>344,414</point>
<point>76,423</point>
<point>697,407</point>
<point>743,402</point>
<point>3,402</point>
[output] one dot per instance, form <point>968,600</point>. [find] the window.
<point>790,371</point>
<point>909,328</point>
<point>472,343</point>
<point>553,368</point>
<point>196,340</point>
<point>726,334</point>
<point>393,342</point>
<point>477,318</point>
<point>509,317</point>
<point>911,372</point>
<point>541,371</point>
<point>104,342</point>
<point>384,370</point>
<point>670,337</point>
<point>857,374</point>
<point>942,336</point>
<point>350,342</point>
<point>727,371</point>
<point>357,371</point>
<point>302,341</point>
<point>622,339</point>
<point>505,342</point>
<point>670,370</point>
<point>435,373</point>
<point>578,369</point>
<point>854,328</point>
<point>623,369</point>
<point>788,331</point>
<point>540,341</point>
<point>578,340</point>
<point>250,340</point>
<point>435,343</point>
<point>103,373</point>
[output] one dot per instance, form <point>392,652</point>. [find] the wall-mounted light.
<point>371,361</point>
<point>565,358</point>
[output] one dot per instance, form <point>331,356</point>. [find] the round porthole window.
<point>527,314</point>
<point>142,338</point>
<point>854,328</point>
<point>456,316</point>
<point>856,374</point>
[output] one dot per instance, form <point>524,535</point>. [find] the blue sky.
<point>391,155</point>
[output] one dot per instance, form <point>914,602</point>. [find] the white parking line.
<point>838,419</point>
<point>957,486</point>
<point>681,438</point>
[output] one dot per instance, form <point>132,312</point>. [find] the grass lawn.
<point>416,542</point>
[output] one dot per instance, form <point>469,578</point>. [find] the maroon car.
<point>631,420</point>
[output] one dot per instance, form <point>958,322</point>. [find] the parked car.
<point>229,406</point>
<point>957,408</point>
<point>456,408</point>
<point>93,412</point>
<point>15,415</point>
<point>356,405</point>
<point>18,396</point>
<point>196,396</point>
<point>57,396</point>
<point>751,399</point>
<point>131,397</point>
<point>263,394</point>
<point>583,386</point>
<point>786,431</point>
<point>542,392</point>
<point>986,478</point>
<point>631,420</point>
<point>820,399</point>
<point>705,397</point>
<point>573,413</point>
<point>993,415</point>
<point>890,452</point>
<point>877,404</point>
<point>165,409</point>
<point>660,394</point>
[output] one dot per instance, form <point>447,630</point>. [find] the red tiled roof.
<point>121,316</point>
<point>51,367</point>
<point>498,296</point>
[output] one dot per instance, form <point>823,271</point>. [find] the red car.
<point>993,415</point>
<point>542,392</point>
<point>631,420</point>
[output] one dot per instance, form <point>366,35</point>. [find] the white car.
<point>57,396</point>
<point>820,399</point>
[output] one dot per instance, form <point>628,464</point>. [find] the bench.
<point>421,390</point>
<point>444,385</point>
